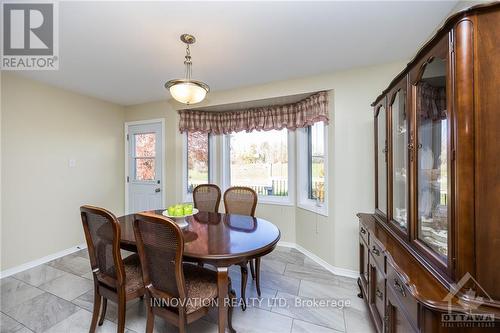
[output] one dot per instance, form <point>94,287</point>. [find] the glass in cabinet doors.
<point>381,160</point>
<point>432,118</point>
<point>400,173</point>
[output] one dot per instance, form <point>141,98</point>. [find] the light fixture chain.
<point>188,62</point>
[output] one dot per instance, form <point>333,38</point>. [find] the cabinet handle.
<point>379,294</point>
<point>399,287</point>
<point>411,147</point>
<point>376,251</point>
<point>363,231</point>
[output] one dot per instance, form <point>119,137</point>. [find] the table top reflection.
<point>216,236</point>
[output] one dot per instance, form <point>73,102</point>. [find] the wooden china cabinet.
<point>430,253</point>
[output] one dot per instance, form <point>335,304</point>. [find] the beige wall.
<point>1,223</point>
<point>350,177</point>
<point>466,4</point>
<point>332,238</point>
<point>42,128</point>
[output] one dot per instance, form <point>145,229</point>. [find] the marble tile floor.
<point>57,297</point>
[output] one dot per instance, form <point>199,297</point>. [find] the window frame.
<point>187,196</point>
<point>134,158</point>
<point>304,169</point>
<point>288,200</point>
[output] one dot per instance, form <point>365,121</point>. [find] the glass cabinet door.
<point>381,160</point>
<point>400,172</point>
<point>432,119</point>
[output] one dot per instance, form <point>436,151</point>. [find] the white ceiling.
<point>125,51</point>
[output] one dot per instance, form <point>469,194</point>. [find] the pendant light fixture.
<point>186,90</point>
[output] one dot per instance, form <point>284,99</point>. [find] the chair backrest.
<point>102,233</point>
<point>206,198</point>
<point>240,200</point>
<point>160,245</point>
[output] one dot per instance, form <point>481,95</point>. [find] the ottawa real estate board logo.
<point>469,315</point>
<point>30,39</point>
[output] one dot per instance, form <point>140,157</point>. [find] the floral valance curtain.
<point>291,116</point>
<point>431,101</point>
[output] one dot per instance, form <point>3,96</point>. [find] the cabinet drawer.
<point>396,319</point>
<point>400,289</point>
<point>377,252</point>
<point>379,294</point>
<point>363,262</point>
<point>376,304</point>
<point>363,233</point>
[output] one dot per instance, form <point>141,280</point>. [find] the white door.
<point>145,159</point>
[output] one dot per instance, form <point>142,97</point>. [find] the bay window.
<point>258,149</point>
<point>312,168</point>
<point>198,166</point>
<point>263,161</point>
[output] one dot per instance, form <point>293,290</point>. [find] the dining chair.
<point>181,293</point>
<point>116,279</point>
<point>206,198</point>
<point>243,201</point>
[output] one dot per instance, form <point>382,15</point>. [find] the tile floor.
<point>58,297</point>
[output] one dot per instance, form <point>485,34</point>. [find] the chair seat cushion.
<point>133,273</point>
<point>201,286</point>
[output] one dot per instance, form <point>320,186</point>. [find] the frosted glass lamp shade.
<point>187,92</point>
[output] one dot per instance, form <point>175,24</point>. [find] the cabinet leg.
<point>360,295</point>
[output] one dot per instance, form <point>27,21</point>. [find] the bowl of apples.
<point>179,213</point>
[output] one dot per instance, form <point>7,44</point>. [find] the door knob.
<point>157,190</point>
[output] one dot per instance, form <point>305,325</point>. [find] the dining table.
<point>220,240</point>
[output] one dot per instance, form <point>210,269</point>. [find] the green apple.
<point>179,211</point>
<point>188,209</point>
<point>171,210</point>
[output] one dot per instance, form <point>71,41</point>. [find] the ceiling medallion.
<point>186,90</point>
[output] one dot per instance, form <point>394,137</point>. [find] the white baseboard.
<point>287,244</point>
<point>43,260</point>
<point>335,270</point>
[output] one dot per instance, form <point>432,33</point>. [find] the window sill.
<point>314,208</point>
<point>271,201</point>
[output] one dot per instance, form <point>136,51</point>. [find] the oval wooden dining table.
<point>220,240</point>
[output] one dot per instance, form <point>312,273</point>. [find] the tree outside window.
<point>145,149</point>
<point>198,157</point>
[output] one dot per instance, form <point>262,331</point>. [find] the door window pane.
<point>382,161</point>
<point>197,160</point>
<point>145,169</point>
<point>432,163</point>
<point>145,145</point>
<point>145,152</point>
<point>260,160</point>
<point>316,163</point>
<point>399,160</point>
